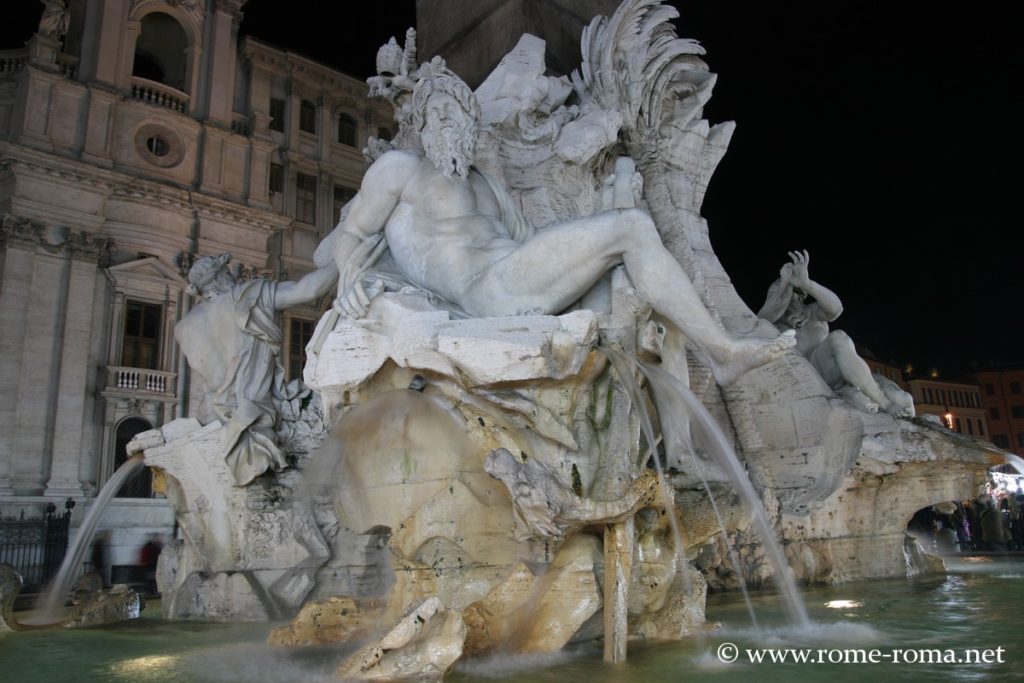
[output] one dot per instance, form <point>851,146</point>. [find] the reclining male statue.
<point>454,232</point>
<point>797,302</point>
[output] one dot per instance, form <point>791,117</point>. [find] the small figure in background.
<point>101,556</point>
<point>148,556</point>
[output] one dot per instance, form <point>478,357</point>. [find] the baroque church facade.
<point>135,136</point>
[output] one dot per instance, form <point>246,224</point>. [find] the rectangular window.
<point>141,342</point>
<point>276,177</point>
<point>981,427</point>
<point>993,413</point>
<point>301,333</point>
<point>989,389</point>
<point>958,428</point>
<point>347,130</point>
<point>1014,387</point>
<point>277,114</point>
<point>970,425</point>
<point>1001,440</point>
<point>342,196</point>
<point>307,117</point>
<point>305,198</point>
<point>1020,439</point>
<point>1017,411</point>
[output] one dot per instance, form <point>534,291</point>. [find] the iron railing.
<point>36,546</point>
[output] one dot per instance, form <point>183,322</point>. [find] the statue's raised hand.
<point>799,275</point>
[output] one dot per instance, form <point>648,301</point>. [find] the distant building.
<point>890,372</point>
<point>1002,397</point>
<point>136,135</point>
<point>957,404</point>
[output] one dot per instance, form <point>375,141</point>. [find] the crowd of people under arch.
<point>992,522</point>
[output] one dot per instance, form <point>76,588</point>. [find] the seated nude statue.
<point>453,231</point>
<point>797,302</point>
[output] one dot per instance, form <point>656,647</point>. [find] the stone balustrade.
<point>140,380</point>
<point>159,94</point>
<point>12,61</point>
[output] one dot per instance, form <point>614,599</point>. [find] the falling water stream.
<point>623,365</point>
<point>53,598</point>
<point>676,402</point>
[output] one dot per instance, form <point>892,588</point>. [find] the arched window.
<point>347,130</point>
<point>160,51</point>
<point>307,117</point>
<point>140,484</point>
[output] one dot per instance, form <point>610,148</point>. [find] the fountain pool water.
<point>976,605</point>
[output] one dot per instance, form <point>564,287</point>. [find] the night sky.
<point>884,137</point>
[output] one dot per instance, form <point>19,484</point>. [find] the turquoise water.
<point>978,605</point>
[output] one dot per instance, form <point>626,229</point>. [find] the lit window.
<point>158,146</point>
<point>301,333</point>
<point>342,196</point>
<point>305,198</point>
<point>307,117</point>
<point>276,177</point>
<point>277,114</point>
<point>347,130</point>
<point>141,341</point>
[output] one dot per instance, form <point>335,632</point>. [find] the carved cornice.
<point>312,74</point>
<point>32,234</point>
<point>232,7</point>
<point>10,164</point>
<point>88,247</point>
<point>195,9</point>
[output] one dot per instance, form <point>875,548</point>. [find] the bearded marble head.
<point>447,117</point>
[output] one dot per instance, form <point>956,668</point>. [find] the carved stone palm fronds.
<point>634,63</point>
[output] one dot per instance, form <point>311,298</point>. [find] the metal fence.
<point>36,546</point>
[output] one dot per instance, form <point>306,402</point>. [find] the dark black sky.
<point>882,136</point>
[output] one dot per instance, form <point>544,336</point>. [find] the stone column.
<point>122,77</point>
<point>14,305</point>
<point>221,86</point>
<point>37,380</point>
<point>103,42</point>
<point>79,326</point>
<point>327,130</point>
<point>325,205</point>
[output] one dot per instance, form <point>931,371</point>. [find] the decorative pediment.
<point>149,270</point>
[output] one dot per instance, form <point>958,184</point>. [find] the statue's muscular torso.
<point>444,232</point>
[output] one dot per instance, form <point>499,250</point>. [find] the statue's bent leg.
<point>853,368</point>
<point>559,264</point>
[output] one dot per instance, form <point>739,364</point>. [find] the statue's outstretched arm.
<point>309,288</point>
